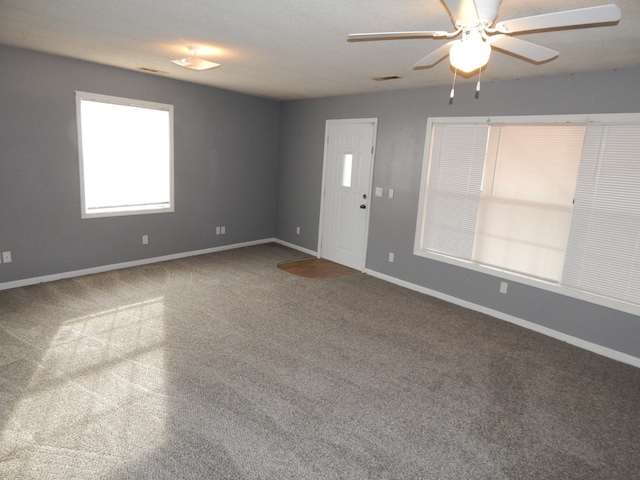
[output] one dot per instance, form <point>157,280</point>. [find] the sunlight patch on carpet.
<point>98,393</point>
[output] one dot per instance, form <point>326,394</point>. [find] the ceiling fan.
<point>474,21</point>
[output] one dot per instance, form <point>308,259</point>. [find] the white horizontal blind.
<point>604,245</point>
<point>455,176</point>
<point>527,195</point>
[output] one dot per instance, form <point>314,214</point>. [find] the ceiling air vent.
<point>384,79</point>
<point>153,70</point>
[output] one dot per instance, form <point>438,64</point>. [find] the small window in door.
<point>347,168</point>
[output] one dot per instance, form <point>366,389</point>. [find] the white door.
<point>348,169</point>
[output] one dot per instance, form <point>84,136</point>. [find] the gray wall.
<point>400,147</point>
<point>255,166</point>
<point>225,168</point>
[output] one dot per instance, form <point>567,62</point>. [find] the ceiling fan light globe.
<point>469,56</point>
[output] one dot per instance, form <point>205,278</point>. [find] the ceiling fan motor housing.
<point>488,10</point>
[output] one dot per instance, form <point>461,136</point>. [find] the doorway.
<point>346,190</point>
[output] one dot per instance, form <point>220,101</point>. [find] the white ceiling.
<point>293,49</point>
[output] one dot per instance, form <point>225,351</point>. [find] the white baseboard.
<point>592,347</point>
<point>134,263</point>
<point>145,261</point>
<point>577,342</point>
<point>296,247</point>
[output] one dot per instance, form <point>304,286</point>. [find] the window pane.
<point>126,158</point>
<point>524,237</point>
<point>454,180</point>
<point>347,168</point>
<point>538,163</point>
<point>527,195</point>
<point>604,247</point>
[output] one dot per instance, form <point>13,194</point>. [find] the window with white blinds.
<point>455,179</point>
<point>553,200</point>
<point>603,254</point>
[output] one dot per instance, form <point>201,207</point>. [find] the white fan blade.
<point>364,37</point>
<point>522,48</point>
<point>568,18</point>
<point>462,11</point>
<point>435,56</point>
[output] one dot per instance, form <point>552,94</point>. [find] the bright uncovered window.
<point>554,200</point>
<point>126,155</point>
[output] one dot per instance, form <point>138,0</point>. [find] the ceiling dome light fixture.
<point>193,62</point>
<point>471,52</point>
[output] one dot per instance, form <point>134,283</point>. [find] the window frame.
<point>561,289</point>
<point>128,102</point>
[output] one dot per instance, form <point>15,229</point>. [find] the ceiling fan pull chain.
<point>453,87</point>
<point>478,85</point>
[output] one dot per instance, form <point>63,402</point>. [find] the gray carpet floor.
<point>222,366</point>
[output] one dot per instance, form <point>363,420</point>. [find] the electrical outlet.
<point>391,257</point>
<point>145,239</point>
<point>503,287</point>
<point>223,230</point>
<point>391,193</point>
<point>6,257</point>
<point>297,230</point>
